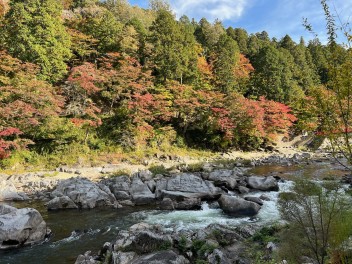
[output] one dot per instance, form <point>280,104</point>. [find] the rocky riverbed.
<point>231,189</point>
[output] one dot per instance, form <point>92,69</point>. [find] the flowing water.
<point>76,232</point>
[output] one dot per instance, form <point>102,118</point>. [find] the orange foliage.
<point>4,7</point>
<point>243,68</point>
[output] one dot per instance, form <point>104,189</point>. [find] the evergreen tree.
<point>165,36</point>
<point>34,32</point>
<point>103,26</point>
<point>287,43</point>
<point>319,55</point>
<point>208,34</point>
<point>273,76</point>
<point>241,37</point>
<point>227,55</point>
<point>189,51</point>
<point>304,73</point>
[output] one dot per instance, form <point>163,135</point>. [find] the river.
<point>77,231</point>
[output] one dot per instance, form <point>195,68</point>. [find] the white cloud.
<point>210,9</point>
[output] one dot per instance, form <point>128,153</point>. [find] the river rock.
<point>264,198</point>
<point>161,257</point>
<point>86,259</point>
<point>8,192</point>
<point>238,206</point>
<point>224,178</point>
<point>148,241</point>
<point>151,185</point>
<point>120,187</point>
<point>140,192</point>
<point>140,227</point>
<point>20,227</point>
<point>218,257</point>
<point>85,194</point>
<point>145,175</point>
<point>263,183</point>
<point>121,195</point>
<point>189,204</point>
<point>243,189</point>
<point>186,186</point>
<point>253,199</point>
<point>62,202</point>
<point>123,257</point>
<point>167,204</point>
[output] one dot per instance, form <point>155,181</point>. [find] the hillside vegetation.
<point>83,77</point>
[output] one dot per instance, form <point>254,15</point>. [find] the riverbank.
<point>20,186</point>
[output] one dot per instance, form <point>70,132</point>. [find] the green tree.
<point>241,37</point>
<point>227,55</point>
<point>34,32</point>
<point>273,76</point>
<point>319,55</point>
<point>103,26</point>
<point>208,34</point>
<point>287,43</point>
<point>172,47</point>
<point>129,40</point>
<point>189,51</point>
<point>304,73</point>
<point>254,45</point>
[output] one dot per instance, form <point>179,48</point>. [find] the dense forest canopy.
<point>101,74</point>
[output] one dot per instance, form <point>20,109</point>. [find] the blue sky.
<point>277,17</point>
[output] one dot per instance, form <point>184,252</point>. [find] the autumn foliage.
<point>7,144</point>
<point>119,84</point>
<point>136,82</point>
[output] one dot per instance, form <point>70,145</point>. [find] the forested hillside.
<point>82,76</point>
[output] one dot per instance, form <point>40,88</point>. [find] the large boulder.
<point>84,193</point>
<point>142,238</point>
<point>148,241</point>
<point>263,183</point>
<point>140,192</point>
<point>224,177</point>
<point>8,192</point>
<point>62,202</point>
<point>120,187</point>
<point>237,206</point>
<point>254,199</point>
<point>186,186</point>
<point>161,257</point>
<point>188,204</point>
<point>20,227</point>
